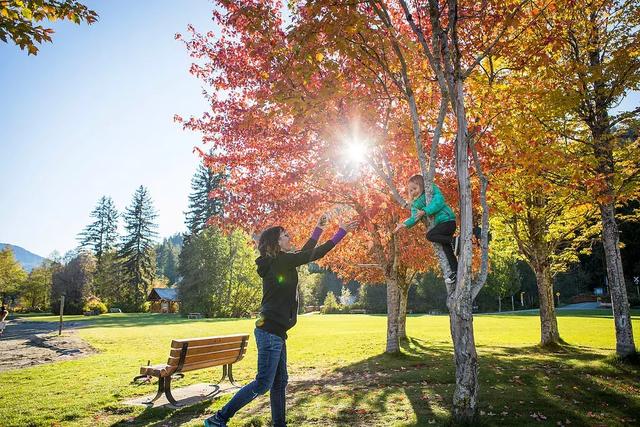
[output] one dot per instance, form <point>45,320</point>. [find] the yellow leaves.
<point>26,12</point>
<point>4,12</point>
<point>319,57</point>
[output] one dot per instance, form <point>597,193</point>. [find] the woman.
<point>278,313</point>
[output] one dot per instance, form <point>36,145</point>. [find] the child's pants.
<point>443,233</point>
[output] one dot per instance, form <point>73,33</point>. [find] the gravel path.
<point>25,344</point>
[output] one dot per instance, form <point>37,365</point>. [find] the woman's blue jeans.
<point>272,375</point>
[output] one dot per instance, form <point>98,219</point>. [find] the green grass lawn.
<point>338,375</point>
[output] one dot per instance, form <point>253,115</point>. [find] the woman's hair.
<point>268,244</point>
<point>418,180</point>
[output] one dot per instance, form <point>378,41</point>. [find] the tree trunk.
<point>604,141</point>
<point>465,397</point>
<point>460,301</point>
<point>625,345</point>
<point>393,311</point>
<point>513,304</point>
<point>548,323</point>
<point>499,305</point>
<point>402,312</point>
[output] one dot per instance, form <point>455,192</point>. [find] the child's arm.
<point>411,221</point>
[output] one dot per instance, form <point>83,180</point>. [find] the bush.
<point>331,304</point>
<point>95,305</point>
<point>145,307</point>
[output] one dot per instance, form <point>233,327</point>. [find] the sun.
<point>356,151</point>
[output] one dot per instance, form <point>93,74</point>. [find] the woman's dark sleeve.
<point>313,240</point>
<point>297,259</point>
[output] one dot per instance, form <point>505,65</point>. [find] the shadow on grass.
<point>156,417</point>
<point>124,320</point>
<point>599,313</point>
<point>518,386</point>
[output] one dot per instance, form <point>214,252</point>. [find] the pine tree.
<point>167,254</point>
<point>137,253</point>
<point>101,235</point>
<point>201,207</point>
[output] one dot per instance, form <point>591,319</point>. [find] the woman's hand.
<point>322,221</point>
<point>420,214</point>
<point>399,227</point>
<point>349,226</point>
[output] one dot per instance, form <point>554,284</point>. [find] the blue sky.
<point>92,115</point>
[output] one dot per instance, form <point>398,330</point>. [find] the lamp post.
<point>636,281</point>
<point>558,295</point>
<point>61,313</point>
<point>522,299</point>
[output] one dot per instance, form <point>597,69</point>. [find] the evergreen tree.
<point>102,234</point>
<point>201,207</point>
<point>137,253</point>
<point>167,254</point>
<point>109,284</point>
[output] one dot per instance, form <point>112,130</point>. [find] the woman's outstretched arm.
<point>296,259</point>
<point>315,236</point>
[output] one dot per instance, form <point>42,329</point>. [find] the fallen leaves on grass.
<point>538,416</point>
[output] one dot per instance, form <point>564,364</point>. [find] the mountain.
<point>28,259</point>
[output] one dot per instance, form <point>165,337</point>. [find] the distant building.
<point>164,300</point>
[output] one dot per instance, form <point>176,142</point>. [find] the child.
<point>444,219</point>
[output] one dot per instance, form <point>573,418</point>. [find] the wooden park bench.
<point>194,316</point>
<point>357,311</point>
<point>193,354</point>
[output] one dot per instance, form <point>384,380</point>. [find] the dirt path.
<point>25,344</point>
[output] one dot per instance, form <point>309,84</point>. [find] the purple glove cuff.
<point>338,236</point>
<point>316,234</point>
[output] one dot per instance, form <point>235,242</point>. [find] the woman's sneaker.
<point>215,421</point>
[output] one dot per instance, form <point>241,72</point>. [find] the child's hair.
<point>268,244</point>
<point>418,180</point>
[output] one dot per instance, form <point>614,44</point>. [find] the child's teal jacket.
<point>437,207</point>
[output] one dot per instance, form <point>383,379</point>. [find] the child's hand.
<point>420,214</point>
<point>398,227</point>
<point>349,226</point>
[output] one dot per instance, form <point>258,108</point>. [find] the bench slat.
<point>209,340</point>
<point>218,355</point>
<point>194,366</point>
<point>192,351</point>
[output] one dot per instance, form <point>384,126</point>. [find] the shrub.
<point>146,307</point>
<point>95,305</point>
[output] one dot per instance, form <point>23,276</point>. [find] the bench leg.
<point>167,392</point>
<point>159,393</point>
<point>216,387</point>
<point>231,380</point>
